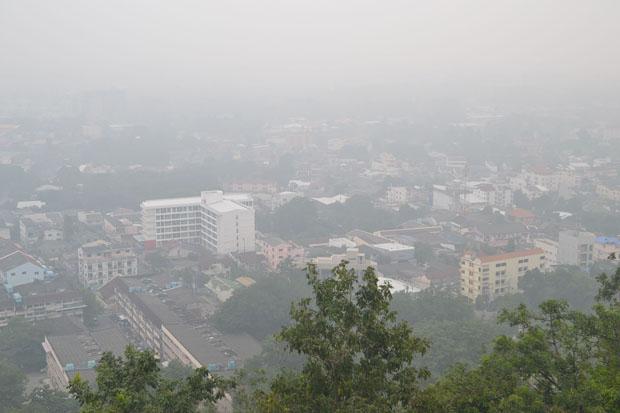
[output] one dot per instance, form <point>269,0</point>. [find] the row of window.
<point>13,274</point>
<point>177,209</point>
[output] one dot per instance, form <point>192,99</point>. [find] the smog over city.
<point>309,206</point>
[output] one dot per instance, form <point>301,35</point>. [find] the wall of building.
<point>196,220</point>
<point>23,274</point>
<point>96,270</point>
<point>55,371</point>
<point>576,248</point>
<point>497,275</point>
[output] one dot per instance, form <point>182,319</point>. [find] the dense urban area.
<point>195,246</point>
<point>309,206</point>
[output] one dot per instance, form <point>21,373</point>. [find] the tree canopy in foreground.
<point>359,357</point>
<point>562,360</point>
<point>134,384</point>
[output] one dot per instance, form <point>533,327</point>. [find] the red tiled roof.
<point>541,170</point>
<point>522,213</point>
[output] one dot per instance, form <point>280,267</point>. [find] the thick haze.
<point>283,47</point>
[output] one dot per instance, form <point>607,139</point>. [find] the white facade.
<point>282,198</point>
<point>552,180</point>
<point>397,195</point>
<point>177,219</point>
<point>356,260</point>
<point>550,247</point>
<point>40,227</point>
<point>221,223</point>
<point>100,261</point>
<point>22,274</point>
<point>443,198</point>
<point>576,248</point>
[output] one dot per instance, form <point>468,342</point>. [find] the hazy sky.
<point>297,46</point>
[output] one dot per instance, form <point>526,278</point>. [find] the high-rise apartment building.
<point>496,275</point>
<point>222,223</point>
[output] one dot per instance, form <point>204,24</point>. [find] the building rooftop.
<point>204,343</point>
<point>237,196</point>
<point>367,237</point>
<point>245,281</point>
<point>394,247</point>
<point>509,255</point>
<point>170,202</point>
<point>329,200</point>
<point>607,240</point>
<point>272,240</point>
<point>226,205</point>
<point>101,246</point>
<point>78,352</point>
<point>522,213</point>
<point>15,259</point>
<point>7,247</point>
<point>40,293</point>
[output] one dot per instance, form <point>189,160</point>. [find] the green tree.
<point>175,370</point>
<point>20,343</point>
<point>262,309</point>
<point>12,386</point>
<point>359,357</point>
<point>561,360</point>
<point>455,334</point>
<point>456,342</point>
<point>296,217</point>
<point>423,252</point>
<point>92,310</point>
<point>46,400</point>
<point>134,384</point>
<point>431,305</point>
<point>157,261</point>
<point>565,283</point>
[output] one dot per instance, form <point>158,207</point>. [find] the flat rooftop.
<point>226,206</point>
<point>171,202</point>
<point>510,255</point>
<point>83,347</point>
<point>394,247</point>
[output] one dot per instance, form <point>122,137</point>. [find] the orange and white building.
<point>496,275</point>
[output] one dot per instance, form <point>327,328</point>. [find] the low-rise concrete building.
<point>18,268</point>
<point>606,248</point>
<point>356,260</point>
<point>40,300</point>
<point>41,227</point>
<point>165,332</point>
<point>276,250</point>
<point>79,351</point>
<point>100,261</point>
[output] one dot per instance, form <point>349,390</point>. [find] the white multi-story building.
<point>444,197</point>
<point>100,261</point>
<point>576,248</point>
<point>493,195</point>
<point>550,179</point>
<point>397,195</point>
<point>222,223</point>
